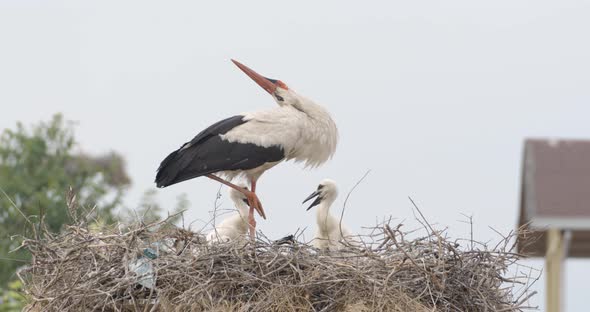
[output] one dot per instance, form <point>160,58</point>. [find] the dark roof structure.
<point>555,193</point>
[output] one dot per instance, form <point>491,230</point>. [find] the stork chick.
<point>236,226</point>
<point>330,233</point>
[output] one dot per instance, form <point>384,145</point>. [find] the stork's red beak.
<point>270,85</point>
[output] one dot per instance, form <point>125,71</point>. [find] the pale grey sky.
<point>435,97</point>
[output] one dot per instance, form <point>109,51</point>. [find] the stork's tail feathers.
<point>168,170</point>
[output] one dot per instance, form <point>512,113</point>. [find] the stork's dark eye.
<point>279,98</point>
<point>320,187</point>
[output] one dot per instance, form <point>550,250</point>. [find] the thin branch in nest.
<point>346,201</point>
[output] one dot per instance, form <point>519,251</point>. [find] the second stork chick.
<point>331,233</point>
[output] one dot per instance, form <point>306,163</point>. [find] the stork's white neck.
<point>319,133</point>
<point>309,107</point>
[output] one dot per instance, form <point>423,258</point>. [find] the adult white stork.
<point>250,143</point>
<point>330,233</point>
<point>235,226</point>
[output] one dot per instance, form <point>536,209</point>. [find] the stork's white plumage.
<point>331,233</point>
<point>234,227</point>
<point>251,143</point>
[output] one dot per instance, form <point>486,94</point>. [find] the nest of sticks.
<point>158,267</point>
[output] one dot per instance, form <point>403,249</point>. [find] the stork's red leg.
<point>253,185</point>
<point>253,189</point>
<point>253,202</point>
<point>251,196</point>
<point>251,219</point>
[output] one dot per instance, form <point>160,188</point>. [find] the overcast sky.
<point>435,97</point>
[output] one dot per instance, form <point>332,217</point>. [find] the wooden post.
<point>553,266</point>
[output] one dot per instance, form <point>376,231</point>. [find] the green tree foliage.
<point>12,300</point>
<point>37,167</point>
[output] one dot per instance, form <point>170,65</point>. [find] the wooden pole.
<point>553,266</point>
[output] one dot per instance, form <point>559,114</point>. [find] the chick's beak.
<point>318,199</point>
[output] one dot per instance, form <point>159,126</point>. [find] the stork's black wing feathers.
<point>208,153</point>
